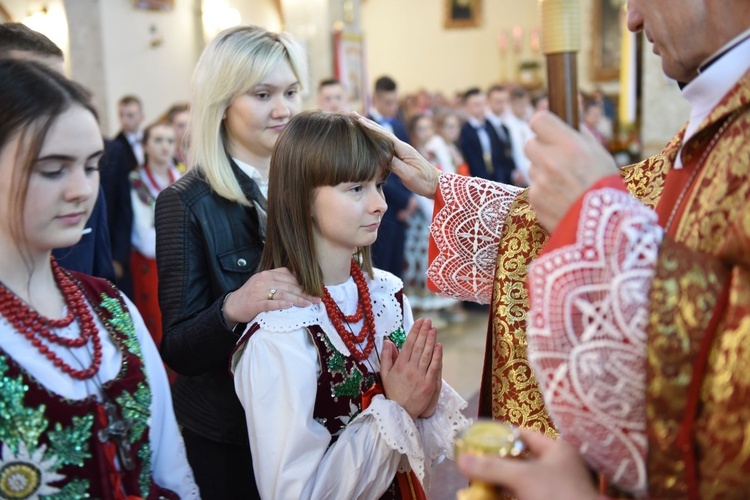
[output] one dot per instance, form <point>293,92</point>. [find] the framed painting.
<point>463,13</point>
<point>606,40</point>
<point>349,67</point>
<point>162,5</point>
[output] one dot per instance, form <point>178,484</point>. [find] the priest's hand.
<point>409,377</point>
<point>554,469</point>
<point>418,175</point>
<point>564,164</point>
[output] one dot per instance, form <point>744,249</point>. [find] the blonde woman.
<point>210,232</point>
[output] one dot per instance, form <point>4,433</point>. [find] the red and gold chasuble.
<point>698,390</point>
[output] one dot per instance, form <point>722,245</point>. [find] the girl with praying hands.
<point>341,402</point>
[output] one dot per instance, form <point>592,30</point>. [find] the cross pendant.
<point>117,430</point>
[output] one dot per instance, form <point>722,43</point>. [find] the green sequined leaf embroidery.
<point>71,444</point>
<point>136,408</point>
<point>17,421</point>
<point>398,337</point>
<point>74,490</point>
<point>122,322</point>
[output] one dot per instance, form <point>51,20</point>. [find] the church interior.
<point>434,49</point>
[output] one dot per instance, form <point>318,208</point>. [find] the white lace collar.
<point>385,307</point>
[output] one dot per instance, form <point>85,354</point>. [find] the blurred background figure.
<point>425,302</point>
<point>130,113</point>
<point>150,179</point>
<point>591,120</point>
<point>332,96</point>
<point>178,115</point>
<point>443,145</point>
<point>388,250</point>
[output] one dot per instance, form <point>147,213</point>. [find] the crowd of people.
<point>271,264</point>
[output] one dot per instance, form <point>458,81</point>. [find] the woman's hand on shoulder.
<point>264,291</point>
<point>410,378</point>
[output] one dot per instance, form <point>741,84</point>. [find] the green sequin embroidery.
<point>75,490</point>
<point>21,424</point>
<point>351,383</point>
<point>18,422</point>
<point>122,322</point>
<point>136,407</point>
<point>398,337</point>
<point>70,444</point>
<point>144,478</point>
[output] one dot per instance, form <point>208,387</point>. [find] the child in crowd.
<point>85,404</point>
<point>334,409</point>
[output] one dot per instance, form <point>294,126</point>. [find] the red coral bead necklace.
<point>36,328</point>
<point>364,310</point>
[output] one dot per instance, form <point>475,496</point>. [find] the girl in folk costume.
<point>443,148</point>
<point>336,411</point>
<point>146,183</point>
<point>85,404</point>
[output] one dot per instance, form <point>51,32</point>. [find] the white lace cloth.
<point>170,468</point>
<point>587,333</point>
<point>276,380</point>
<point>467,233</point>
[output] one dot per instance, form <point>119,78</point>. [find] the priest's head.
<point>687,33</point>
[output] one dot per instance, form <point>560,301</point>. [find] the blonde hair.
<point>234,62</point>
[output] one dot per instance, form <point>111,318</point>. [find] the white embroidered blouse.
<point>276,376</point>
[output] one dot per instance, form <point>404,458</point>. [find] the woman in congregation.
<point>156,173</point>
<point>86,407</point>
<point>340,401</point>
<point>210,232</point>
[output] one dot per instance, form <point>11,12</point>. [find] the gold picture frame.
<point>606,40</point>
<point>158,5</point>
<point>463,13</point>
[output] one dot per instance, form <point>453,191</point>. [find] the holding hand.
<point>266,291</point>
<point>417,174</point>
<point>564,164</point>
<point>555,469</point>
<point>410,378</point>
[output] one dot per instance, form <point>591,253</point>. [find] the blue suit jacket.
<point>502,159</point>
<point>388,250</point>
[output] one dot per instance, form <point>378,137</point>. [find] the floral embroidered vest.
<point>342,385</point>
<point>51,446</point>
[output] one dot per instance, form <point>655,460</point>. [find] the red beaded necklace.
<point>36,327</point>
<point>364,310</point>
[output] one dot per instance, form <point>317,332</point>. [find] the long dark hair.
<point>316,149</point>
<point>32,96</point>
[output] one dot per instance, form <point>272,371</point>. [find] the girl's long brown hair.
<point>316,149</point>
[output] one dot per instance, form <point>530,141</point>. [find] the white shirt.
<point>275,375</point>
<point>135,139</point>
<point>170,468</point>
<point>707,90</point>
<point>253,173</point>
<point>143,235</point>
<point>484,137</point>
<point>377,117</point>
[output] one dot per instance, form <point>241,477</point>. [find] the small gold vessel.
<point>487,437</point>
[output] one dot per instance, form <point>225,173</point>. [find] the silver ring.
<point>271,293</point>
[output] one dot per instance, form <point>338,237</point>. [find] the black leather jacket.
<point>206,246</point>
